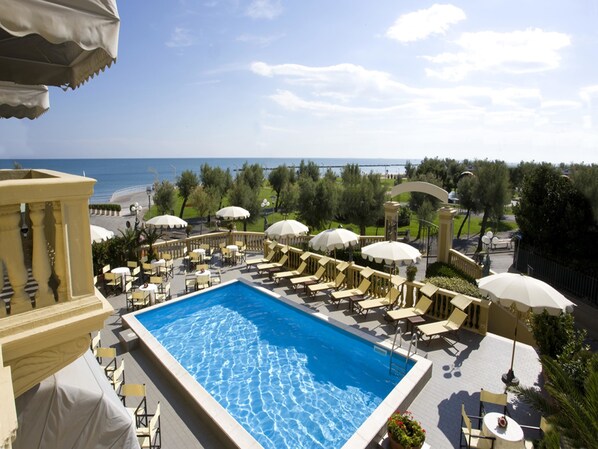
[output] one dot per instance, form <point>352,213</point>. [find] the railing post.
<point>40,263</point>
<point>11,253</point>
<point>59,252</point>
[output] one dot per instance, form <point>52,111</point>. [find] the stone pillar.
<point>40,262</point>
<point>11,253</point>
<point>59,252</point>
<point>445,232</point>
<point>391,219</point>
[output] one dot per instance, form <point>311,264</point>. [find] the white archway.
<point>423,187</point>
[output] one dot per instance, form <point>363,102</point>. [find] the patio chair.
<point>261,268</point>
<point>203,281</point>
<point>163,293</point>
<point>138,410</point>
<point>451,325</point>
<point>132,264</point>
<point>113,283</point>
<point>389,301</point>
<point>190,283</point>
<point>134,276</point>
<point>539,431</point>
<point>470,437</point>
<point>420,309</point>
<point>96,342</point>
<point>313,289</point>
<point>156,280</point>
<point>361,290</point>
<point>488,397</point>
<point>117,377</point>
<point>150,437</point>
<point>312,278</point>
<point>215,276</point>
<point>148,269</point>
<point>106,357</point>
<point>105,269</point>
<point>139,300</point>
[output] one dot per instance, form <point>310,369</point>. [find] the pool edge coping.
<point>402,394</point>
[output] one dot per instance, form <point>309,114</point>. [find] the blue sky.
<point>501,79</point>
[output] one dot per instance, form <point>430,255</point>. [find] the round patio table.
<point>506,437</point>
<point>123,272</point>
<point>151,288</point>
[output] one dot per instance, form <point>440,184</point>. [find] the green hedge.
<point>106,206</point>
<point>445,270</point>
<point>457,285</point>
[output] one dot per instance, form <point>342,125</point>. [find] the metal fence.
<point>557,275</point>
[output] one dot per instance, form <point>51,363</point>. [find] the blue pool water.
<point>290,379</point>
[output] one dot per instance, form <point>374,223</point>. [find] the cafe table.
<point>123,272</point>
<point>509,437</point>
<point>151,288</point>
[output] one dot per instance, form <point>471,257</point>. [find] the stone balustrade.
<point>49,305</point>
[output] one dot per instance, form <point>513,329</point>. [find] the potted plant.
<point>411,272</point>
<point>405,432</point>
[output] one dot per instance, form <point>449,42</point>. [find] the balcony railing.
<point>49,303</point>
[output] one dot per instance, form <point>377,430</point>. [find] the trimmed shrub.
<point>457,285</point>
<point>445,270</point>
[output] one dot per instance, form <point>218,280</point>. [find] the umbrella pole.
<point>509,378</point>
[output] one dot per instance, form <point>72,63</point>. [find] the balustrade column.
<point>445,232</point>
<point>11,253</point>
<point>59,252</point>
<point>3,305</point>
<point>391,220</point>
<point>40,263</point>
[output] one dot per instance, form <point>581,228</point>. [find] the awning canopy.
<point>57,42</point>
<point>19,101</point>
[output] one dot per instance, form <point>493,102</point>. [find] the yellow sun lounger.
<point>452,324</point>
<point>421,307</point>
<point>361,290</point>
<point>311,278</point>
<point>291,273</point>
<point>272,265</point>
<point>389,301</point>
<point>313,289</point>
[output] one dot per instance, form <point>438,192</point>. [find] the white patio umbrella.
<point>99,234</point>
<point>233,213</point>
<point>286,228</point>
<point>57,42</point>
<point>166,221</point>
<point>333,239</point>
<point>525,294</point>
<point>20,101</point>
<point>390,252</point>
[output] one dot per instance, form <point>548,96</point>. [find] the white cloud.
<point>420,24</point>
<point>516,52</point>
<point>264,9</point>
<point>262,41</point>
<point>180,37</point>
<point>588,93</point>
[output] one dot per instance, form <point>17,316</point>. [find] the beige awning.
<point>57,43</point>
<point>21,101</point>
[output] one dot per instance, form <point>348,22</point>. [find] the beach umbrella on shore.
<point>21,101</point>
<point>57,42</point>
<point>166,221</point>
<point>286,228</point>
<point>99,234</point>
<point>390,252</point>
<point>526,294</point>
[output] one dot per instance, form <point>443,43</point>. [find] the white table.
<point>200,251</point>
<point>233,249</point>
<point>151,288</point>
<point>123,272</point>
<point>205,273</point>
<point>510,437</point>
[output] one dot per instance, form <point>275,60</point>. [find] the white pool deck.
<point>459,371</point>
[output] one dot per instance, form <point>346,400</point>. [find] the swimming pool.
<point>288,378</point>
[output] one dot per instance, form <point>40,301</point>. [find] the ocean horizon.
<point>130,173</point>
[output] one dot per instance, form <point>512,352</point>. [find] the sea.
<point>116,175</point>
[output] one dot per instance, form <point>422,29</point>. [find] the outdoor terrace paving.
<point>460,370</point>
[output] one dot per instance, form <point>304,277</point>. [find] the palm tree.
<point>571,410</point>
<point>130,243</point>
<point>151,235</point>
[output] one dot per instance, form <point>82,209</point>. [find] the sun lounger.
<point>308,279</point>
<point>313,289</point>
<point>259,260</point>
<point>420,309</point>
<point>345,294</point>
<point>292,273</point>
<point>452,324</point>
<point>272,265</point>
<point>389,301</point>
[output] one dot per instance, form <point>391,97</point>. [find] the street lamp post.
<point>487,241</point>
<point>136,208</point>
<point>265,204</point>
<point>148,190</point>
